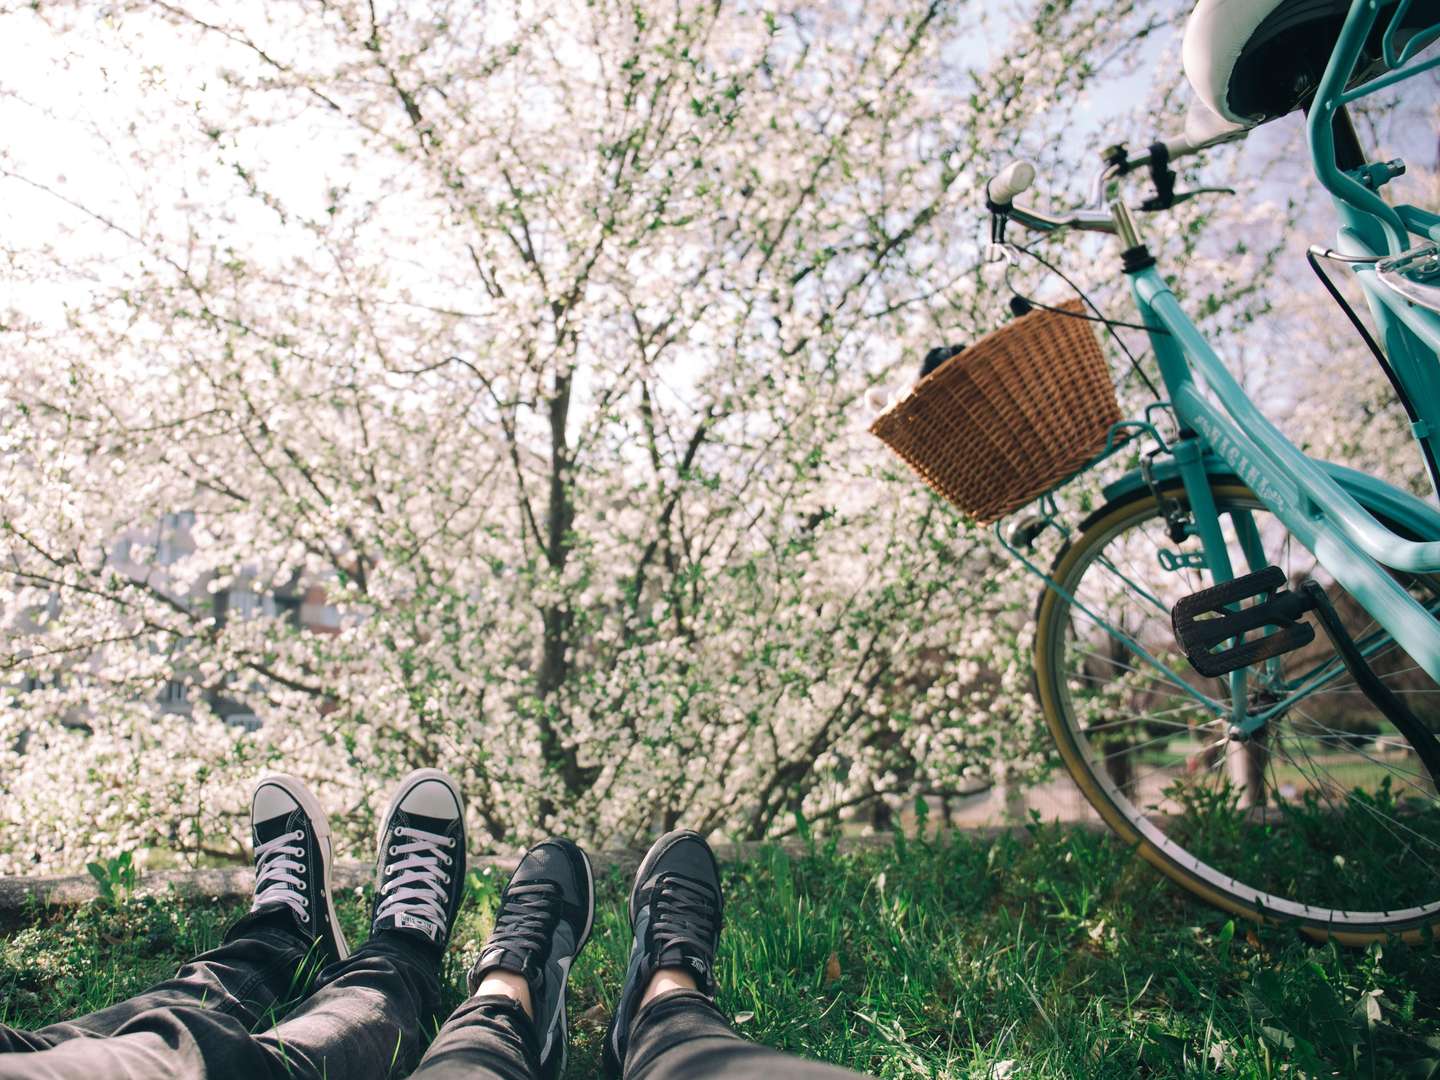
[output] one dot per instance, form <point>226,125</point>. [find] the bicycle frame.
<point>1345,538</point>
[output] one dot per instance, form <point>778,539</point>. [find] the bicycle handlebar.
<point>1202,131</point>
<point>1010,181</point>
<point>1084,220</point>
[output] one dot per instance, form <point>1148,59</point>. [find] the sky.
<point>61,105</point>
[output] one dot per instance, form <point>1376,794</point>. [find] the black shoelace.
<point>527,917</point>
<point>684,920</point>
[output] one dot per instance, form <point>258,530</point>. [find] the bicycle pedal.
<point>1206,620</point>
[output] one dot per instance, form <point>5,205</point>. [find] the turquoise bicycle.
<point>1282,773</point>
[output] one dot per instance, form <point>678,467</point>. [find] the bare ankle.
<point>665,980</point>
<point>507,984</point>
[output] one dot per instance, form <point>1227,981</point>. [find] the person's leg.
<point>269,957</point>
<point>366,1016</point>
<point>682,1034</point>
<point>489,1037</point>
<point>515,1025</point>
<point>666,1025</point>
<point>252,975</point>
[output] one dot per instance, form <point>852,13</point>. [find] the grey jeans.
<point>366,1019</point>
<point>367,1016</point>
<point>678,1036</point>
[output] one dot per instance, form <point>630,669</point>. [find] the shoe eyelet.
<point>450,842</point>
<point>301,885</point>
<point>392,849</point>
<point>304,901</point>
<point>305,916</point>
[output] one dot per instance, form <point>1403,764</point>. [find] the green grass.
<point>1057,955</point>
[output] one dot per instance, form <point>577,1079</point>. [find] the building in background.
<point>144,554</point>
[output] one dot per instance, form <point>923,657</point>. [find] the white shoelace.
<point>279,873</point>
<point>418,887</point>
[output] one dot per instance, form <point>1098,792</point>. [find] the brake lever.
<point>999,249</point>
<point>1153,204</point>
<point>1004,251</point>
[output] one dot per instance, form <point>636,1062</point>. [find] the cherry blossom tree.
<point>537,337</point>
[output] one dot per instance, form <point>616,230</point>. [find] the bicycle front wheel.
<point>1326,818</point>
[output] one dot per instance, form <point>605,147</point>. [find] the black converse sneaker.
<point>545,916</point>
<point>675,913</point>
<point>292,859</point>
<point>421,877</point>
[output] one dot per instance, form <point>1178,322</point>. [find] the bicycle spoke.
<point>1385,820</point>
<point>1146,718</point>
<point>1137,746</point>
<point>1332,774</point>
<point>1352,687</point>
<point>1340,738</point>
<point>1146,593</point>
<point>1129,668</point>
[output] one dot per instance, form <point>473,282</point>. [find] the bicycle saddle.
<point>1250,61</point>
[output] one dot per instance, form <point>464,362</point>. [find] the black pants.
<point>366,1017</point>
<point>365,1020</point>
<point>678,1035</point>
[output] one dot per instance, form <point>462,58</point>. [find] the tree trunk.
<point>558,620</point>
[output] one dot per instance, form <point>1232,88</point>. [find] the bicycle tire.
<point>1122,816</point>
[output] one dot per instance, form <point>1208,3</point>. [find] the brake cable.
<point>1099,316</point>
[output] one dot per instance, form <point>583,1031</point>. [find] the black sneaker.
<point>421,877</point>
<point>291,835</point>
<point>675,913</point>
<point>544,920</point>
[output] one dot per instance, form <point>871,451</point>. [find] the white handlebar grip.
<point>1012,180</point>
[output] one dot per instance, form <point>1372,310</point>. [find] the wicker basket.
<point>1010,417</point>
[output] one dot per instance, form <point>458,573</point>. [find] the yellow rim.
<point>1108,811</point>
